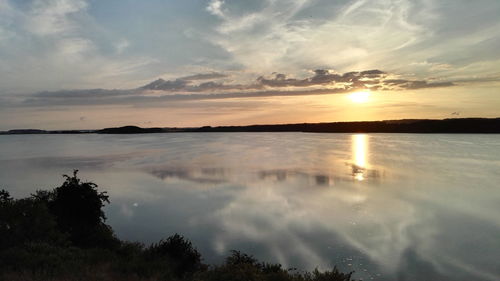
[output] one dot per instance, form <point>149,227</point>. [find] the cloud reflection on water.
<point>298,198</point>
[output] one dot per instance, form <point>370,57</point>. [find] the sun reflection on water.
<point>359,152</point>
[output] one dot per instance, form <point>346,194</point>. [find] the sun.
<point>360,97</point>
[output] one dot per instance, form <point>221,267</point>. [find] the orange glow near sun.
<point>360,97</point>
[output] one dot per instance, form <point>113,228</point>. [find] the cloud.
<point>215,8</point>
<point>187,84</point>
<point>54,44</point>
<point>54,16</point>
<point>121,46</point>
<point>414,85</point>
<point>297,34</point>
<point>322,77</point>
<point>204,76</point>
<point>77,44</point>
<point>199,87</point>
<point>87,93</point>
<point>322,82</point>
<point>137,97</point>
<point>164,85</point>
<point>328,79</point>
<point>294,35</point>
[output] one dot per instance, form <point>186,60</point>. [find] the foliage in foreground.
<point>62,235</point>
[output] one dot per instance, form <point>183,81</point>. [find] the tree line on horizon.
<point>422,126</point>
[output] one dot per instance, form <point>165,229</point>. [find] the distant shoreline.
<point>424,126</point>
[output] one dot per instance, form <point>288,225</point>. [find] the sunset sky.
<point>88,64</point>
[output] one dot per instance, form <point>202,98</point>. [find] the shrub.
<point>62,235</point>
<point>27,220</point>
<point>238,258</point>
<point>329,275</point>
<point>241,266</point>
<point>179,253</point>
<point>4,196</point>
<point>42,259</point>
<point>77,207</point>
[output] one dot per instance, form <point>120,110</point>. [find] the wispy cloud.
<point>393,35</point>
<point>51,44</point>
<point>54,16</point>
<point>56,44</point>
<point>221,49</point>
<point>291,35</point>
<point>215,8</point>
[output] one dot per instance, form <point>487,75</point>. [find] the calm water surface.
<point>388,206</point>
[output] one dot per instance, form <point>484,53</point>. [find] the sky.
<point>89,64</point>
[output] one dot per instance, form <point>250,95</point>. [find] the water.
<point>388,206</point>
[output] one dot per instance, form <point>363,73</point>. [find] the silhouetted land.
<point>465,125</point>
<point>130,130</point>
<point>61,235</point>
<point>424,126</point>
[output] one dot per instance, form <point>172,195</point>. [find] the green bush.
<point>77,207</point>
<point>61,235</point>
<point>42,259</point>
<point>27,220</point>
<point>177,252</point>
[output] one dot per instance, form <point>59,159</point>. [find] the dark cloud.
<point>374,72</point>
<point>204,76</point>
<point>87,93</point>
<point>166,85</point>
<point>188,84</point>
<point>179,85</point>
<point>322,81</point>
<point>322,77</point>
<point>140,99</point>
<point>395,84</point>
<point>369,79</point>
